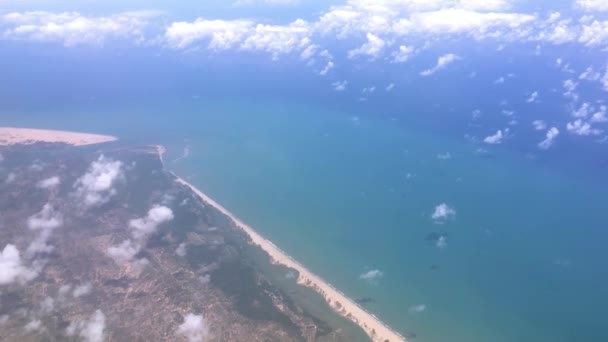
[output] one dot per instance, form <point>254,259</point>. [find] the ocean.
<point>349,190</point>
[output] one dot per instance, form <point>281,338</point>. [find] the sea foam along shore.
<point>26,136</point>
<point>375,329</point>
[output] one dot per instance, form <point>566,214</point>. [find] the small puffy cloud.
<point>47,305</point>
<point>47,218</point>
<point>340,86</point>
<point>552,134</point>
<point>570,89</point>
<point>82,290</point>
<point>539,125</point>
<point>372,48</point>
<point>124,252</point>
<point>533,97</point>
<point>372,276</point>
<point>442,63</point>
<point>444,156</point>
<point>181,249</point>
<point>33,325</point>
<point>44,222</point>
<point>414,309</point>
<point>403,54</point>
<point>600,115</point>
<point>590,75</point>
<point>390,87</point>
<point>91,330</point>
<point>442,242</point>
<point>96,187</point>
<point>583,111</point>
<point>194,328</point>
<point>593,5</point>
<point>580,127</point>
<point>73,28</point>
<point>10,178</point>
<point>496,138</point>
<point>11,267</point>
<point>49,183</point>
<point>327,68</point>
<point>442,213</point>
<point>143,227</point>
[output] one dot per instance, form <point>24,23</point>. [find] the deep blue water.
<point>326,178</point>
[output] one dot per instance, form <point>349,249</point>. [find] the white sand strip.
<point>27,136</point>
<point>377,331</point>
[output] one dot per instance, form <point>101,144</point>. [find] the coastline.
<point>338,301</point>
<point>27,136</point>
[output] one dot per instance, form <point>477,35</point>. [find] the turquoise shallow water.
<point>525,255</point>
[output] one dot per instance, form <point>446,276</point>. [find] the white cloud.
<point>444,156</point>
<point>124,252</point>
<point>221,34</point>
<point>414,309</point>
<point>96,187</point>
<point>403,54</point>
<point>390,87</point>
<point>244,34</point>
<point>33,325</point>
<point>10,178</point>
<point>47,305</point>
<point>583,111</point>
<point>442,62</point>
<point>552,134</point>
<point>309,52</point>
<point>327,68</point>
<point>539,125</point>
<point>141,228</point>
<point>372,276</point>
<point>194,328</point>
<point>593,5</point>
<point>570,89</point>
<point>45,222</point>
<point>91,330</point>
<point>49,182</point>
<point>372,48</point>
<point>11,268</point>
<point>497,138</point>
<point>72,28</point>
<point>368,90</point>
<point>82,290</point>
<point>442,213</point>
<point>278,40</point>
<point>181,249</point>
<point>590,75</point>
<point>533,97</point>
<point>442,242</point>
<point>580,127</point>
<point>600,115</point>
<point>340,86</point>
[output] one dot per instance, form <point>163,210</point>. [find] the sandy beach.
<point>377,331</point>
<point>13,136</point>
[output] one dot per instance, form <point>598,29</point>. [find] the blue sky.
<point>541,66</point>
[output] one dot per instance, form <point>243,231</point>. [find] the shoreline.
<point>27,136</point>
<point>338,301</point>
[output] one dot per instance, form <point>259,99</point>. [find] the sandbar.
<point>28,136</point>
